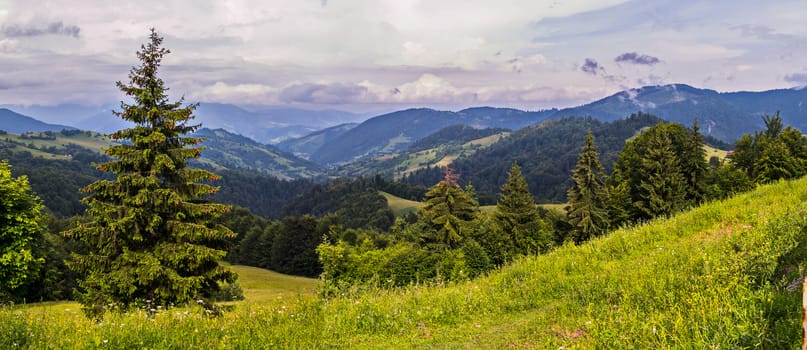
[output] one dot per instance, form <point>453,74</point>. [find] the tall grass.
<point>713,277</point>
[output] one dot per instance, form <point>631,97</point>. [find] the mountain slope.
<point>715,277</point>
<point>725,116</point>
<point>546,153</point>
<point>16,123</point>
<point>396,131</point>
<point>228,150</point>
<point>306,145</point>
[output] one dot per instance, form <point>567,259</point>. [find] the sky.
<point>379,55</point>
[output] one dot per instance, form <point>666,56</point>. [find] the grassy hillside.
<point>714,277</point>
<point>261,285</point>
<point>399,205</point>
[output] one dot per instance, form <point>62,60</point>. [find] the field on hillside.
<point>54,145</point>
<point>400,206</point>
<point>715,277</point>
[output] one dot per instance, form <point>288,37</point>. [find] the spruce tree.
<point>663,187</point>
<point>694,164</point>
<point>448,212</point>
<point>151,238</point>
<point>587,210</point>
<point>517,215</point>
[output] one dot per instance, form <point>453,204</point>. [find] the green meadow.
<point>720,276</point>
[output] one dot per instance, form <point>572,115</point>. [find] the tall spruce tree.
<point>151,241</point>
<point>694,164</point>
<point>587,210</point>
<point>663,187</point>
<point>448,212</point>
<point>517,215</point>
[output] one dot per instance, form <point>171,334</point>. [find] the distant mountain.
<point>725,116</point>
<point>306,145</point>
<point>395,131</point>
<point>16,123</point>
<point>232,151</point>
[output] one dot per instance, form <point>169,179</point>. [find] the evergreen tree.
<point>694,165</point>
<point>150,237</point>
<point>663,186</point>
<point>517,215</point>
<point>21,224</point>
<point>587,211</point>
<point>447,212</point>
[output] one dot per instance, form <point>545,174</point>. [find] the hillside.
<point>713,277</point>
<point>16,123</point>
<point>306,145</point>
<point>396,131</point>
<point>546,153</point>
<point>232,151</point>
<point>438,149</point>
<point>725,116</point>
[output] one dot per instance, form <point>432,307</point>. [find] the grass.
<point>714,152</point>
<point>260,285</point>
<point>710,278</point>
<point>400,206</point>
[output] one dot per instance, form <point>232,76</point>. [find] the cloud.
<point>591,67</point>
<point>54,28</point>
<point>796,78</point>
<point>635,58</point>
<point>332,94</point>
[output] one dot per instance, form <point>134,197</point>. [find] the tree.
<point>663,185</point>
<point>151,238</point>
<point>694,165</point>
<point>447,212</point>
<point>587,211</point>
<point>517,215</point>
<point>21,224</point>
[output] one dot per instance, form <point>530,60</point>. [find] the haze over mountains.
<point>331,137</point>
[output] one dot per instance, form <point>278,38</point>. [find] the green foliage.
<point>150,238</point>
<point>517,215</point>
<point>447,213</point>
<point>587,212</point>
<point>21,225</point>
<point>775,153</point>
<point>659,172</point>
<point>712,278</point>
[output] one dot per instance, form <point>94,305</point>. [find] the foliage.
<point>714,277</point>
<point>21,225</point>
<point>586,211</point>
<point>517,216</point>
<point>150,239</point>
<point>447,212</point>
<point>661,171</point>
<point>546,153</point>
<point>777,152</point>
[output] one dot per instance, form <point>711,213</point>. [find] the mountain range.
<point>331,138</point>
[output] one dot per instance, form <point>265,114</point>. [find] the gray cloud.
<point>796,78</point>
<point>55,28</point>
<point>760,32</point>
<point>337,93</point>
<point>635,58</point>
<point>591,67</point>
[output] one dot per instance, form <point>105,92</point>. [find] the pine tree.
<point>663,187</point>
<point>587,212</point>
<point>150,237</point>
<point>517,215</point>
<point>21,223</point>
<point>694,165</point>
<point>448,212</point>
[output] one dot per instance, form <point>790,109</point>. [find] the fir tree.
<point>694,165</point>
<point>21,224</point>
<point>517,215</point>
<point>447,212</point>
<point>663,187</point>
<point>587,212</point>
<point>150,237</point>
